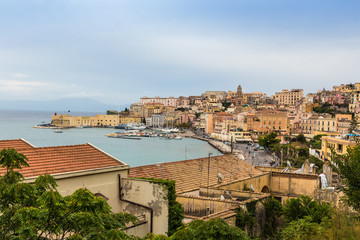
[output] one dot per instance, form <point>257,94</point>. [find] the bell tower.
<point>239,96</point>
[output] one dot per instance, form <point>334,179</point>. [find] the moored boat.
<point>58,130</point>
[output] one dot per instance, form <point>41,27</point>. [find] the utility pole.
<point>232,145</point>
<point>208,180</point>
<point>230,178</point>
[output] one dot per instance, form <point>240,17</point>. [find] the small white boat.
<point>58,130</point>
<point>135,126</point>
<point>177,138</point>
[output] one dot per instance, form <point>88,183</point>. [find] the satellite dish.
<point>288,163</point>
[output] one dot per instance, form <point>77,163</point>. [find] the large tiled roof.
<point>191,174</point>
<point>65,159</point>
<point>15,143</point>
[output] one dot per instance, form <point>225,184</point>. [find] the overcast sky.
<point>118,51</point>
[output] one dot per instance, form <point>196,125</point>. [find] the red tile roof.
<point>191,174</point>
<point>65,159</point>
<point>15,143</point>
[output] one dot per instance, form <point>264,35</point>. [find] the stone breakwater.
<point>221,147</point>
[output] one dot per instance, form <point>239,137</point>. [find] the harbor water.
<point>19,124</point>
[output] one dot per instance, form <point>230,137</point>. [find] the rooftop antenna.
<point>161,169</point>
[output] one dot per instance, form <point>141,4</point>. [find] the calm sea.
<point>19,124</point>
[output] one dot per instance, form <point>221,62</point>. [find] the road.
<point>257,158</point>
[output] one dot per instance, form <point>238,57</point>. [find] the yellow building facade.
<point>67,121</point>
<point>289,98</point>
<point>339,145</point>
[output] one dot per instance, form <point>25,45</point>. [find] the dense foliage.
<point>38,211</point>
<point>273,213</point>
<point>325,108</point>
<point>301,138</point>
<point>348,167</point>
<point>304,206</point>
<point>353,125</point>
<point>315,142</point>
<point>269,140</point>
<point>212,229</point>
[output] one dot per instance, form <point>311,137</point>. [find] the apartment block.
<point>289,98</point>
<point>170,101</point>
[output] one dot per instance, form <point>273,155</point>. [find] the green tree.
<point>11,159</point>
<point>226,105</point>
<point>353,125</point>
<point>315,142</point>
<point>298,208</point>
<point>212,229</point>
<point>348,168</point>
<point>38,211</point>
<point>302,229</point>
<point>273,212</point>
<point>269,140</point>
<point>301,138</point>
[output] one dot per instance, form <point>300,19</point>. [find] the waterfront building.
<point>100,120</point>
<point>123,119</point>
<point>289,98</point>
<point>151,108</point>
<point>137,109</point>
<point>158,120</point>
<point>186,118</point>
<point>208,123</point>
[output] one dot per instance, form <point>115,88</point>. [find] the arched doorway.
<point>265,189</point>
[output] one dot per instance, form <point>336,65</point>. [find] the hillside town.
<point>244,117</point>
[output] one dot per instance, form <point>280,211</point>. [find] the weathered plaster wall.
<point>139,230</point>
<point>258,183</point>
<point>241,195</point>
<point>288,185</point>
<point>148,194</point>
<point>202,206</point>
<point>104,183</point>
